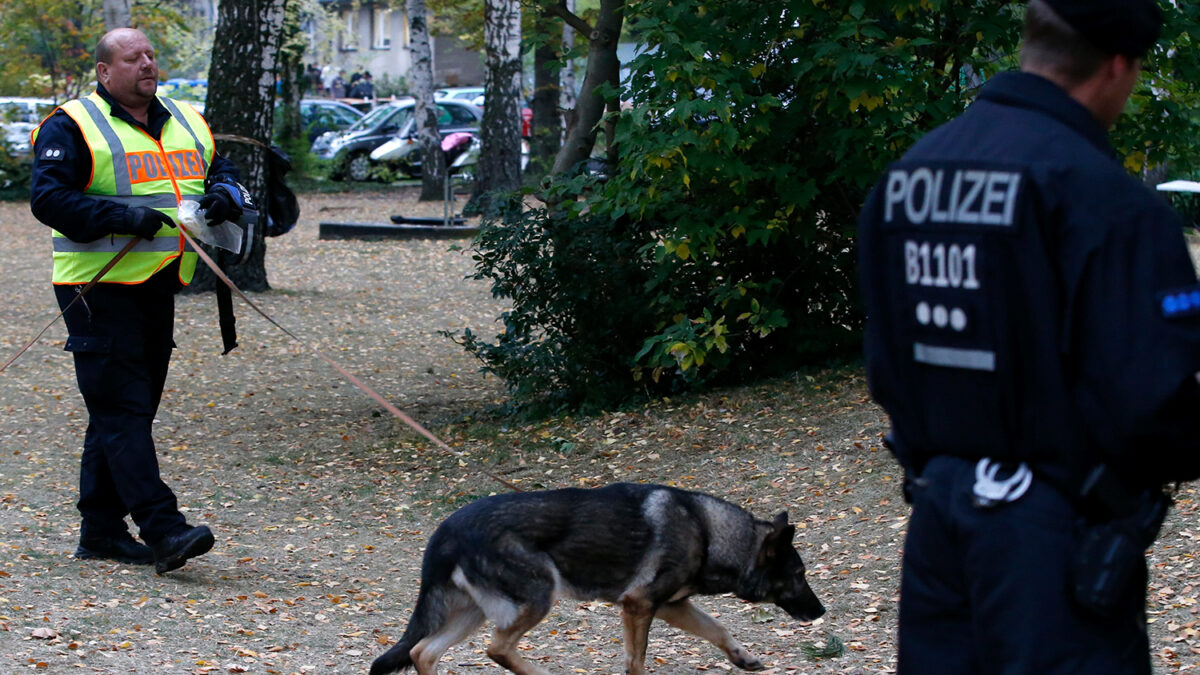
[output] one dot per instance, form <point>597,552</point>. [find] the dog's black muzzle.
<point>804,608</point>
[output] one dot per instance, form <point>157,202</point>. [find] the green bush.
<point>387,86</point>
<point>579,311</point>
<point>722,245</point>
<point>15,174</point>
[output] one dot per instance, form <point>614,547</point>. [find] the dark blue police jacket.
<point>1028,300</point>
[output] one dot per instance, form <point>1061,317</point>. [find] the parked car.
<point>461,148</point>
<point>319,115</point>
<point>468,94</point>
<point>526,114</point>
<point>184,89</point>
<point>350,149</point>
<point>18,117</point>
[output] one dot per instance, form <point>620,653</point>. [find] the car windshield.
<point>377,116</point>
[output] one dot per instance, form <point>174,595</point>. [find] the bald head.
<point>126,66</point>
<point>104,48</point>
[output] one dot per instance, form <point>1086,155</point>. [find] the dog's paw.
<point>747,661</point>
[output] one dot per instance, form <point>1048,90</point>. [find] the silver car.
<point>19,117</point>
<point>350,149</point>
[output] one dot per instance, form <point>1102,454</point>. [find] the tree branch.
<point>560,10</point>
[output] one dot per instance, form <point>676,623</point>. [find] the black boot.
<point>173,551</point>
<point>121,548</point>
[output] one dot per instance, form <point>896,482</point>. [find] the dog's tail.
<point>425,620</point>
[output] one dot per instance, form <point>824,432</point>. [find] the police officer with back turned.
<point>110,168</point>
<point>1033,332</point>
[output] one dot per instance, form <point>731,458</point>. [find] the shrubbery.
<point>721,246</point>
<point>578,284</point>
<point>15,173</point>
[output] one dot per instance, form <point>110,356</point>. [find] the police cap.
<point>1127,27</point>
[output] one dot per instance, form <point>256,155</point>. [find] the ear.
<point>779,521</point>
<point>778,540</point>
<point>782,532</point>
<point>1122,65</point>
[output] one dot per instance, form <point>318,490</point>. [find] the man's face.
<point>132,76</point>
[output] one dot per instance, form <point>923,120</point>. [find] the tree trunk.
<point>547,122</point>
<point>240,103</point>
<point>116,14</point>
<point>433,161</point>
<point>602,67</point>
<point>499,169</point>
<point>567,86</point>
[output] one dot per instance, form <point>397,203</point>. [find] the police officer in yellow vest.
<point>111,167</point>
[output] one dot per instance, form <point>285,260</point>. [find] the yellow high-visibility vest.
<point>132,168</point>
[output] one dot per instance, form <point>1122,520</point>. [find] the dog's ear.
<point>782,533</point>
<point>778,541</point>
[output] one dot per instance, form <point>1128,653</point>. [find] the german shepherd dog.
<point>648,548</point>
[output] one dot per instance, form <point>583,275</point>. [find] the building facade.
<point>373,36</point>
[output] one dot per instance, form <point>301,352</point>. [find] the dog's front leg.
<point>689,618</point>
<point>637,612</point>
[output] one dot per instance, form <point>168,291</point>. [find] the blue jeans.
<point>121,338</point>
<point>984,590</point>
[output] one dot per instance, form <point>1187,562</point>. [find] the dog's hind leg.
<point>689,618</point>
<point>503,648</point>
<point>463,620</point>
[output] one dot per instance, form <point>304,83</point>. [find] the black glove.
<point>144,222</point>
<point>219,206</point>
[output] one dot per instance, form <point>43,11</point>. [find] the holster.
<point>1121,525</point>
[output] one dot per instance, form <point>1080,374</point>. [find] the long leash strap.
<point>87,287</point>
<point>396,412</point>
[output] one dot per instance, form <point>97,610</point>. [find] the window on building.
<point>350,31</point>
<point>381,20</point>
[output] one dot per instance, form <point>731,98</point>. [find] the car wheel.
<point>359,167</point>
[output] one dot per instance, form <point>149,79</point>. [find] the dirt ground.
<point>321,502</point>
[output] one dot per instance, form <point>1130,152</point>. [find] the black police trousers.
<point>985,590</point>
<point>121,336</point>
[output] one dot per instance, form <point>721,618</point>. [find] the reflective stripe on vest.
<point>131,168</point>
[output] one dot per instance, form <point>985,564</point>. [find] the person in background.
<point>314,80</point>
<point>1032,334</point>
<point>327,74</point>
<point>338,87</point>
<point>110,169</point>
<point>366,87</point>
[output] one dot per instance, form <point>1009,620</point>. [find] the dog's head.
<point>777,575</point>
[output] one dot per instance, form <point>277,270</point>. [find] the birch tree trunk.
<point>567,84</point>
<point>240,111</point>
<point>433,161</point>
<point>116,14</point>
<point>499,169</point>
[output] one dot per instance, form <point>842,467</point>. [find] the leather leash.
<point>396,412</point>
<point>87,287</point>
